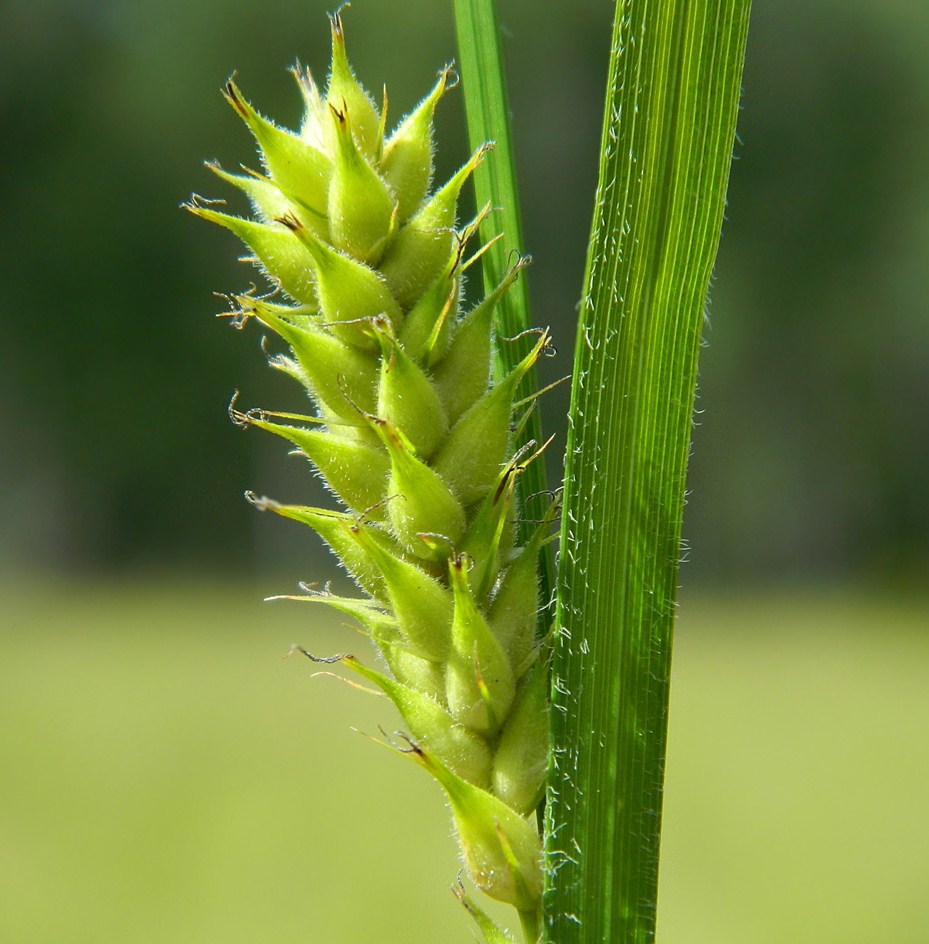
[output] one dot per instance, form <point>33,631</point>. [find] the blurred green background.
<point>162,776</point>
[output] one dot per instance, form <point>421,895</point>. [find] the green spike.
<point>423,607</point>
<point>335,528</point>
<point>406,397</point>
<point>422,674</point>
<point>461,377</point>
<point>362,211</point>
<point>348,290</point>
<point>409,436</point>
<point>428,327</point>
<point>263,193</point>
<point>514,612</point>
<point>502,850</point>
<point>486,535</point>
<point>430,724</point>
<point>341,376</point>
<point>521,758</point>
<point>440,210</point>
<point>470,459</point>
<point>284,259</point>
<point>377,623</point>
<point>355,470</point>
<point>422,248</point>
<point>419,500</point>
<point>269,201</point>
<point>479,680</point>
<point>295,166</point>
<point>346,92</point>
<point>407,161</point>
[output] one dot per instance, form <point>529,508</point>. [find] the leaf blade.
<point>486,103</point>
<point>672,100</point>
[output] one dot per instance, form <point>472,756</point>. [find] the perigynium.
<point>366,264</point>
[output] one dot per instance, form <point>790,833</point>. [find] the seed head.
<point>414,439</point>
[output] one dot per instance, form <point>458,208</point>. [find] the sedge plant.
<point>367,261</point>
<point>422,425</point>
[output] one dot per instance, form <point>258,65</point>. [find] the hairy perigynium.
<point>410,433</point>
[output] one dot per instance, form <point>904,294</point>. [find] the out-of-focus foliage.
<point>813,456</point>
<point>160,786</point>
<point>812,452</point>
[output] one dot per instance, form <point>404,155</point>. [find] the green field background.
<point>165,775</point>
<point>169,777</point>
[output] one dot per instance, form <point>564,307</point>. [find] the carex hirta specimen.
<point>366,262</point>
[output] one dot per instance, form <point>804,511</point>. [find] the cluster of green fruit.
<point>416,440</point>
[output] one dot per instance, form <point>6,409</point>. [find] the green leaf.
<point>485,96</point>
<point>668,131</point>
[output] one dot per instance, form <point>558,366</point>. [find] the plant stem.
<point>669,124</point>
